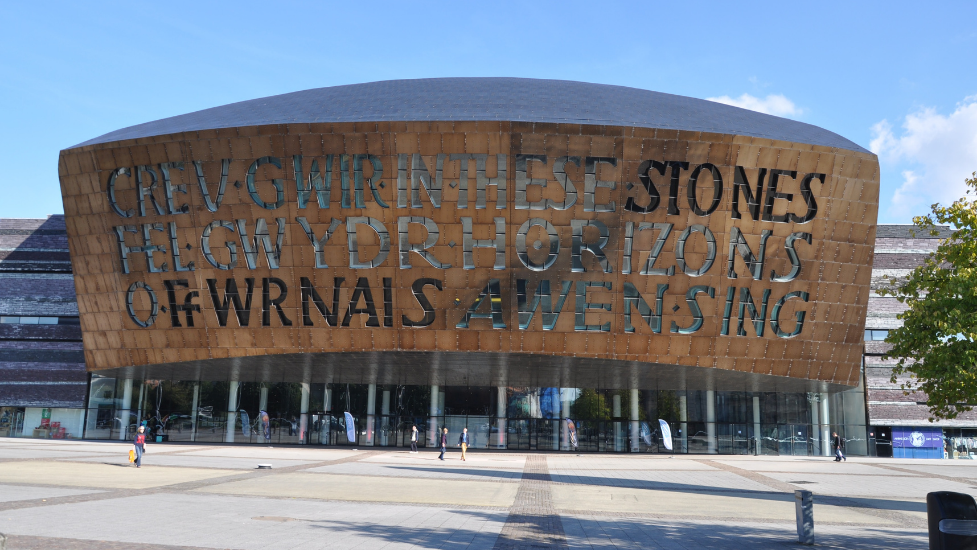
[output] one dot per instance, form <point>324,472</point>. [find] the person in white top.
<point>413,439</point>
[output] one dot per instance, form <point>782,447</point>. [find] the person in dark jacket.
<point>413,439</point>
<point>139,442</point>
<point>838,443</point>
<point>463,442</point>
<point>444,443</point>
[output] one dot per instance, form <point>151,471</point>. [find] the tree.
<point>937,344</point>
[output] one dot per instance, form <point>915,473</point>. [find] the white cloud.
<point>773,104</point>
<point>935,153</point>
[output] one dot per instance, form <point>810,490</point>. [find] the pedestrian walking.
<point>413,439</point>
<point>463,442</point>
<point>444,443</point>
<point>139,442</point>
<point>838,444</point>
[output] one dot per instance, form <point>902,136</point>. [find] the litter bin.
<point>952,521</point>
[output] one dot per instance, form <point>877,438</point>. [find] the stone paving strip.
<point>533,522</point>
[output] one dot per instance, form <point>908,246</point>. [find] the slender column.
<point>565,401</point>
<point>126,405</point>
<point>635,425</point>
<point>500,407</point>
<point>683,426</point>
<point>825,426</point>
<point>711,421</point>
<point>304,414</point>
<point>327,400</point>
<point>263,398</point>
<point>142,398</point>
<point>618,435</point>
<point>432,427</point>
<point>193,411</point>
<point>231,411</point>
<point>756,423</point>
<point>384,418</point>
<point>814,435</point>
<point>371,406</point>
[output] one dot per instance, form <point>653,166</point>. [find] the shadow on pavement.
<point>867,502</point>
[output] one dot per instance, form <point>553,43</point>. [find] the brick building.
<point>42,366</point>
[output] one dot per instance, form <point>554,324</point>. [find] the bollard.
<point>804,508</point>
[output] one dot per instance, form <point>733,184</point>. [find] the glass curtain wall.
<point>514,418</point>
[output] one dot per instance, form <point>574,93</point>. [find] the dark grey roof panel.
<point>908,231</point>
<point>496,99</point>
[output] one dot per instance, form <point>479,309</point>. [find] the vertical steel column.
<point>757,436</point>
<point>432,428</point>
<point>618,435</point>
<point>683,417</point>
<point>193,411</point>
<point>815,431</point>
<point>263,398</point>
<point>231,411</point>
<point>371,406</point>
<point>711,421</point>
<point>565,406</point>
<point>825,426</point>
<point>304,414</point>
<point>126,405</point>
<point>384,418</point>
<point>142,397</point>
<point>635,424</point>
<point>501,406</point>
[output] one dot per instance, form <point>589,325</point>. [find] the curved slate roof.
<point>501,99</point>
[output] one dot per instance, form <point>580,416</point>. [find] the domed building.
<point>553,265</point>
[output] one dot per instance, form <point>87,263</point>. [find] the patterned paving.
<point>75,495</point>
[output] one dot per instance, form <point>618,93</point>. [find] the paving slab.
<point>676,480</point>
<point>725,505</point>
<point>374,489</point>
<point>315,454</point>
<point>649,462</point>
<point>212,521</point>
<point>818,465</point>
<point>893,485</point>
<point>11,493</point>
<point>431,469</point>
<point>101,476</point>
<point>597,532</point>
<point>193,461</point>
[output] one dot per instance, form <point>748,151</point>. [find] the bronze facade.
<point>539,243</point>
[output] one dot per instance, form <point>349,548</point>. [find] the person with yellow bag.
<point>138,447</point>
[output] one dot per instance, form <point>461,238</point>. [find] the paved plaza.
<point>82,495</point>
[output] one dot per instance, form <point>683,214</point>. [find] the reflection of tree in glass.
<point>668,406</point>
<point>591,405</point>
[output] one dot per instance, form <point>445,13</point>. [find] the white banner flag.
<point>350,428</point>
<point>666,434</point>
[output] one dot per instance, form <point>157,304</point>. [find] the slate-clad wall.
<point>898,249</point>
<point>40,365</point>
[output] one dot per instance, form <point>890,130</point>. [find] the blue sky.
<point>890,76</point>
